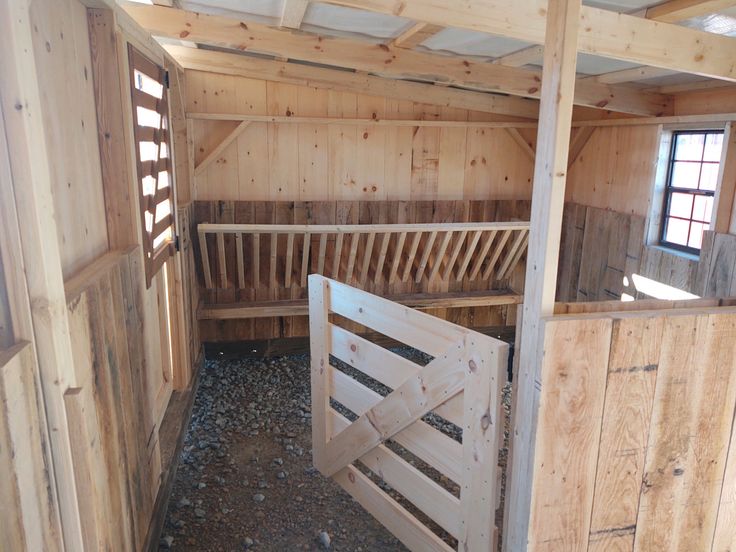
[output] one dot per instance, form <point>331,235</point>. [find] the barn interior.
<point>483,252</point>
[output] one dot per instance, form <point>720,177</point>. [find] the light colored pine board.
<point>568,433</point>
<point>409,264</point>
<point>389,513</point>
<point>432,386</point>
<point>487,242</point>
<point>690,433</point>
<point>319,347</point>
<point>482,399</point>
<point>221,260</point>
<point>420,490</point>
<point>205,260</point>
<point>434,447</point>
<point>239,259</point>
<point>426,252</point>
<point>382,365</point>
<point>632,375</point>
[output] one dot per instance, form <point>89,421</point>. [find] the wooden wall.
<point>634,446</point>
<point>310,162</point>
<point>601,251</point>
<point>62,50</point>
<point>87,365</point>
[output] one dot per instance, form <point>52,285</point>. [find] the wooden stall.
<point>253,171</point>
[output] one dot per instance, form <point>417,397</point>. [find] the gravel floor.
<point>245,479</point>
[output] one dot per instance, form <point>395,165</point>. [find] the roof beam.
<point>521,57</point>
<point>384,59</point>
<point>679,10</point>
<point>602,32</point>
<point>293,13</point>
<point>415,35</point>
<point>631,75</point>
<point>348,81</point>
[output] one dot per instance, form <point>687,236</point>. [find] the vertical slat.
<point>289,259</point>
<point>454,255</point>
<point>484,251</point>
<point>351,256</point>
<point>397,257</point>
<point>367,258</point>
<point>509,257</point>
<point>322,253</point>
<point>336,258</point>
<point>221,259</point>
<point>425,255</point>
<point>382,256</point>
<point>516,257</point>
<point>469,253</point>
<point>305,258</point>
<point>440,254</point>
<point>205,260</point>
<point>272,264</point>
<point>410,258</point>
<point>239,255</point>
<point>481,400</point>
<point>320,347</point>
<point>256,261</point>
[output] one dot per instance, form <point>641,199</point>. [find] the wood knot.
<point>351,477</point>
<point>353,347</point>
<point>472,365</point>
<point>485,421</point>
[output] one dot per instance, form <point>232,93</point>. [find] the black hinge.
<point>176,243</point>
<point>166,80</point>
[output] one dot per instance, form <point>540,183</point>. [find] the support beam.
<point>349,81</point>
<point>523,144</point>
<point>219,148</point>
<point>581,137</point>
<point>679,10</point>
<point>293,13</point>
<point>381,58</point>
<point>415,35</point>
<point>602,32</point>
<point>347,121</point>
<point>532,54</point>
<point>631,75</point>
<point>548,197</point>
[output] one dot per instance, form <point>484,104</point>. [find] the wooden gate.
<point>462,384</point>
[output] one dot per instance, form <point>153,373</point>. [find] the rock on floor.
<point>245,479</point>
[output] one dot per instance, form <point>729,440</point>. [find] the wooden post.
<point>20,95</point>
<point>548,196</point>
<point>319,346</point>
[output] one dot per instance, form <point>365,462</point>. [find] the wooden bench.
<point>264,267</point>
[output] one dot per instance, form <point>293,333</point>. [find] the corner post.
<point>548,196</point>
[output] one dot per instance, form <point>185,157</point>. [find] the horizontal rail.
<point>357,228</point>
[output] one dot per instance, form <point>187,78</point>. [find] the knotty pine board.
<point>306,162</point>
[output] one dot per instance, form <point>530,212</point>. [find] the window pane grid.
<point>691,182</point>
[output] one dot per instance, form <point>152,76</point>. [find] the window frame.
<point>154,257</point>
<point>669,190</point>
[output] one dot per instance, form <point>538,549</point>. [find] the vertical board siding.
<point>568,434</point>
<point>308,162</point>
<point>601,251</point>
<point>634,447</point>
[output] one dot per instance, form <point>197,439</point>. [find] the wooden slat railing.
<point>377,257</point>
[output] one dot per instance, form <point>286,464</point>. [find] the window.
<point>692,177</point>
<point>153,159</point>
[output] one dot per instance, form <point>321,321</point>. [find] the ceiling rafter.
<point>602,32</point>
<point>522,57</point>
<point>293,13</point>
<point>383,59</point>
<point>349,81</point>
<point>415,35</point>
<point>679,10</point>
